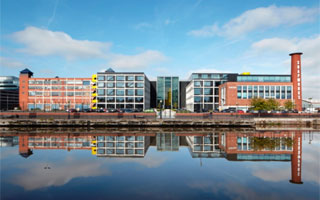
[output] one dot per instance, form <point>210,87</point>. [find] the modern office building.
<point>168,92</point>
<point>9,92</point>
<point>238,94</point>
<point>53,93</point>
<point>122,90</point>
<point>202,92</point>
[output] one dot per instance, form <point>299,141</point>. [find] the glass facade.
<point>265,92</point>
<point>266,78</point>
<point>168,92</point>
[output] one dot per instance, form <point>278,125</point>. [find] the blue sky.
<point>79,38</point>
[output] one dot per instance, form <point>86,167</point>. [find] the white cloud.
<point>10,63</point>
<point>43,42</point>
<point>259,19</point>
<point>310,61</point>
<point>138,61</point>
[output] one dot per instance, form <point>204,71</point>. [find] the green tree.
<point>258,104</point>
<point>289,105</point>
<point>272,104</point>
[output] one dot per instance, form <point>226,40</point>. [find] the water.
<point>159,164</point>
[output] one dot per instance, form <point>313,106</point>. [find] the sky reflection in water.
<point>152,165</point>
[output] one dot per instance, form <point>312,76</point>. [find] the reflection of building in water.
<point>68,142</point>
<point>8,141</point>
<point>207,146</point>
<point>167,142</point>
<point>284,146</point>
<point>121,146</point>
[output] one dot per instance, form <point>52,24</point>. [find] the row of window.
<point>120,92</point>
<point>119,152</point>
<point>277,92</point>
<point>120,138</point>
<point>206,91</point>
<point>209,76</point>
<point>249,78</point>
<point>206,83</point>
<point>54,144</point>
<point>120,85</point>
<point>48,87</point>
<point>120,78</point>
<point>206,99</point>
<point>56,94</point>
<point>58,139</point>
<point>120,99</point>
<point>120,106</point>
<point>53,82</point>
<point>121,144</point>
<point>56,106</point>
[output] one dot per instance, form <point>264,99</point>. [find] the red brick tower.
<point>23,88</point>
<point>296,79</point>
<point>296,159</point>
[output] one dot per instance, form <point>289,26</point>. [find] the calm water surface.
<point>159,164</point>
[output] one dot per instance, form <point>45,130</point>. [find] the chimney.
<point>296,79</point>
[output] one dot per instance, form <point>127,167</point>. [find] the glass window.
<point>195,76</point>
<point>130,84</point>
<point>120,92</point>
<point>261,91</point>
<point>120,99</point>
<point>208,99</point>
<point>283,92</point>
<point>130,92</point>
<point>110,99</point>
<point>100,91</point>
<point>272,92</point>
<point>205,76</point>
<point>100,84</point>
<point>197,84</point>
<point>85,82</point>
<point>139,99</point>
<point>130,78</point>
<point>250,92</point>
<point>120,78</point>
<point>197,99</point>
<point>197,91</point>
<point>208,83</point>
<point>139,92</point>
<point>239,93</point>
<point>120,84</point>
<point>139,78</point>
<point>277,92</point>
<point>101,99</point>
<point>110,92</point>
<point>208,91</point>
<point>139,85</point>
<point>100,78</point>
<point>110,85</point>
<point>267,92</point>
<point>129,99</point>
<point>110,78</point>
<point>244,92</point>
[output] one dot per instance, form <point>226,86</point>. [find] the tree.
<point>272,104</point>
<point>258,104</point>
<point>289,105</point>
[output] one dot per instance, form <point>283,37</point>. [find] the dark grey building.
<point>9,92</point>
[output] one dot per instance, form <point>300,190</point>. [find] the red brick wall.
<point>296,79</point>
<point>23,91</point>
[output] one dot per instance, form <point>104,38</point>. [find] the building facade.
<point>122,90</point>
<point>168,92</point>
<point>9,92</point>
<point>50,94</point>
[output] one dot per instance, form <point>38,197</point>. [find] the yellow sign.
<point>94,78</point>
<point>245,73</point>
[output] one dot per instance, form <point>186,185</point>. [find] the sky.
<point>77,38</point>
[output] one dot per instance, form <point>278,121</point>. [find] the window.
<point>85,82</point>
<point>101,99</point>
<point>244,92</point>
<point>100,84</point>
<point>197,84</point>
<point>272,92</point>
<point>129,99</point>
<point>267,92</point>
<point>283,92</point>
<point>139,78</point>
<point>120,99</point>
<point>110,85</point>
<point>239,92</point>
<point>197,99</point>
<point>110,99</point>
<point>261,91</point>
<point>208,91</point>
<point>130,78</point>
<point>120,92</point>
<point>139,92</point>
<point>110,78</point>
<point>130,92</point>
<point>208,83</point>
<point>197,91</point>
<point>120,84</point>
<point>120,78</point>
<point>139,85</point>
<point>277,92</point>
<point>110,92</point>
<point>130,85</point>
<point>100,91</point>
<point>208,99</point>
<point>139,99</point>
<point>250,92</point>
<point>100,78</point>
